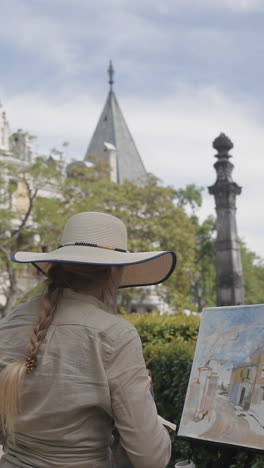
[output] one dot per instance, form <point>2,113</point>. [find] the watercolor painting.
<point>225,397</point>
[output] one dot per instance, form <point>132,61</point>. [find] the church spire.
<point>111,72</point>
<point>112,130</point>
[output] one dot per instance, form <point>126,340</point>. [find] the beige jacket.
<point>90,372</point>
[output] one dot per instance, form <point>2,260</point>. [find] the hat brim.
<point>141,268</point>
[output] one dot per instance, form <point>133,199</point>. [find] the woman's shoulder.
<point>116,336</point>
<point>24,309</point>
<point>120,324</point>
<point>118,330</point>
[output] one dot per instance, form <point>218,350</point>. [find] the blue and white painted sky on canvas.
<point>185,71</point>
<point>229,334</point>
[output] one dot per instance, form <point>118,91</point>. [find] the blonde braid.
<point>12,377</point>
<point>50,302</point>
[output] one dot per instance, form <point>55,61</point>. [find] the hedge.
<point>157,329</point>
<point>173,339</point>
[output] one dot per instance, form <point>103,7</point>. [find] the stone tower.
<point>4,132</point>
<point>112,139</point>
<point>229,274</point>
<point>17,146</point>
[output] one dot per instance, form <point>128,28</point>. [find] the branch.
<point>28,212</point>
<point>10,271</point>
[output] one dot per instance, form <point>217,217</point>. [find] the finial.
<point>111,74</point>
<point>223,145</point>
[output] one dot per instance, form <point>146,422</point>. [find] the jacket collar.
<point>87,298</point>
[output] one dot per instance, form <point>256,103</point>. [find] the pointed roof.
<point>112,128</point>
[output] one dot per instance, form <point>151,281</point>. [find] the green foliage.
<point>204,287</point>
<point>174,339</point>
<point>48,215</point>
<point>24,214</point>
<point>190,196</point>
<point>37,291</point>
<point>259,462</point>
<point>158,330</point>
<point>253,270</point>
<point>170,373</point>
<point>153,221</point>
<point>149,210</point>
<point>155,215</point>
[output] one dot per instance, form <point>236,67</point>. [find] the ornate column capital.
<point>223,145</point>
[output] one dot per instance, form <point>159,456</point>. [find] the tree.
<point>190,197</point>
<point>153,220</point>
<point>253,269</point>
<point>204,286</point>
<point>36,199</point>
<point>24,210</point>
<point>203,289</point>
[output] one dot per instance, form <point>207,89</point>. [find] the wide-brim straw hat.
<point>101,239</point>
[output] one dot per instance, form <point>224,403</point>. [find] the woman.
<point>71,369</point>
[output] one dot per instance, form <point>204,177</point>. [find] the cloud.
<point>235,5</point>
<point>174,136</point>
<point>47,37</point>
<point>52,44</point>
<point>243,6</point>
<point>238,5</point>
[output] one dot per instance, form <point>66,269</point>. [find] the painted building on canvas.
<point>247,381</point>
<point>202,393</point>
<point>257,357</point>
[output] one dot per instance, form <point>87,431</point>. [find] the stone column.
<point>111,155</point>
<point>4,132</point>
<point>229,274</point>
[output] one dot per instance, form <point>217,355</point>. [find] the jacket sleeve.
<point>142,435</point>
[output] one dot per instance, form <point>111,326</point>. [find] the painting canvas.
<point>225,397</point>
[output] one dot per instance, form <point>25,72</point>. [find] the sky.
<point>231,334</point>
<point>185,70</point>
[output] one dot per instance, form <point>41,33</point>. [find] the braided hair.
<point>49,305</point>
<point>78,277</point>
